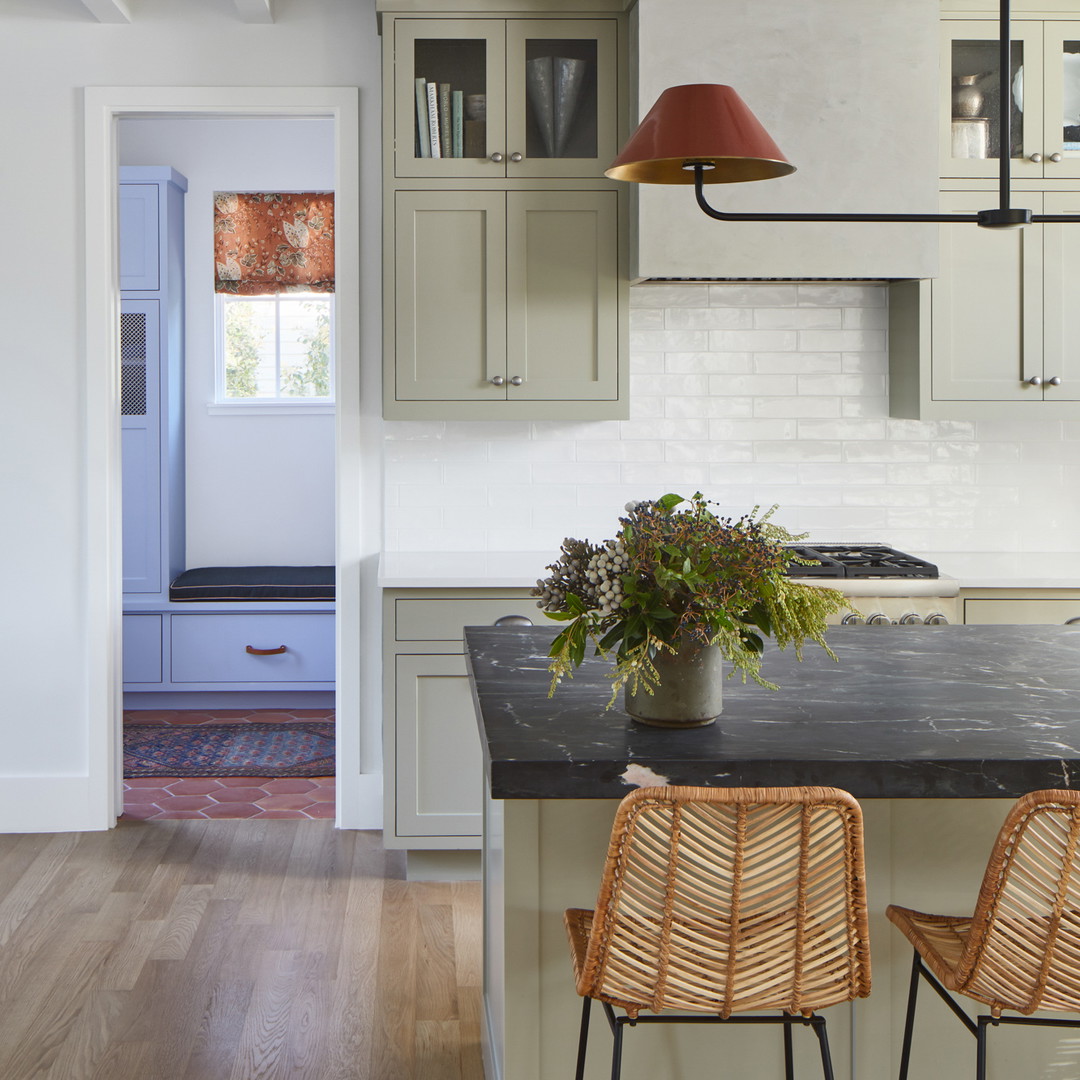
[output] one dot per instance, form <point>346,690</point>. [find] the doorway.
<point>355,533</point>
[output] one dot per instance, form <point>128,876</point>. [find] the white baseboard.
<point>40,804</point>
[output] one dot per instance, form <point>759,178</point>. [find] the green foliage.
<point>243,342</point>
<point>676,575</point>
<point>312,377</point>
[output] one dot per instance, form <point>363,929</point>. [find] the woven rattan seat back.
<point>731,900</point>
<point>1023,949</point>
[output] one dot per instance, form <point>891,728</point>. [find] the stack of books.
<point>441,128</point>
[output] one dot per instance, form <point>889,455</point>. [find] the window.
<point>275,349</point>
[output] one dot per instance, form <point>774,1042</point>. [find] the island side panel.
<point>928,853</point>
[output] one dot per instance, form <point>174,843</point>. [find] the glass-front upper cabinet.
<point>493,99</point>
<point>1043,87</point>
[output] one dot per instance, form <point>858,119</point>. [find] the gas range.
<point>883,585</point>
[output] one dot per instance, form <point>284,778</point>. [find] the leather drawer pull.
<point>265,652</point>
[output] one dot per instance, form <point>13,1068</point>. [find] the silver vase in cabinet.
<point>554,85</point>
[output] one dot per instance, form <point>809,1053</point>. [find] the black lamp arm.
<point>723,215</point>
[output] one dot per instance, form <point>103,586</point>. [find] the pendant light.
<point>704,133</point>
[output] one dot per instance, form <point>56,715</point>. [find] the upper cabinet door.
<point>449,83</point>
<point>1061,101</point>
<point>139,264</point>
<point>970,93</point>
<point>561,97</point>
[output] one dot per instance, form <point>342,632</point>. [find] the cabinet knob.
<point>1036,158</point>
<point>1055,381</point>
<point>1055,158</point>
<point>497,380</point>
<point>515,156</point>
<point>496,157</point>
<point>937,619</point>
<point>1035,380</point>
<point>517,380</point>
<point>513,620</point>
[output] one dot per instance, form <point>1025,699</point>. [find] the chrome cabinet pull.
<point>1036,158</point>
<point>1055,381</point>
<point>1055,158</point>
<point>497,380</point>
<point>496,157</point>
<point>265,652</point>
<point>517,380</point>
<point>1035,380</point>
<point>515,156</point>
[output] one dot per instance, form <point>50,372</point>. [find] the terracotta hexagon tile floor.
<point>162,797</point>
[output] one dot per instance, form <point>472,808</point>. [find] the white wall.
<point>260,488</point>
<point>48,53</point>
<point>753,394</point>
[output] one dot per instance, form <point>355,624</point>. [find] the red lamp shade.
<point>700,123</point>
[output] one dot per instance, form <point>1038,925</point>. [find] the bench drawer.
<point>217,648</point>
<point>142,648</point>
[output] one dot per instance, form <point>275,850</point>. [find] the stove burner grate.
<point>856,561</point>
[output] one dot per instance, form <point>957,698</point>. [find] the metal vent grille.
<point>132,363</point>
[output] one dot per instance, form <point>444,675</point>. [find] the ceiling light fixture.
<point>704,133</point>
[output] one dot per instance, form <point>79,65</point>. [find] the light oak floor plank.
<point>254,950</point>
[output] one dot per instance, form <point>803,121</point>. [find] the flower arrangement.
<point>679,573</point>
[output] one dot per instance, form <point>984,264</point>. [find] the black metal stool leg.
<point>980,1049</point>
<point>818,1024</point>
<point>583,1038</point>
<point>909,1022</point>
<point>789,1060</point>
<point>616,1051</point>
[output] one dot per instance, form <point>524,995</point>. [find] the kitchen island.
<point>935,729</point>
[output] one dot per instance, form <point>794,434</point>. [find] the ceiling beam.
<point>255,11</point>
<point>108,11</point>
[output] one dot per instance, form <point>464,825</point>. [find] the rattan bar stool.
<point>1021,949</point>
<point>724,902</point>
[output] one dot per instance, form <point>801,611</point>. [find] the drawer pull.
<point>1073,621</point>
<point>513,620</point>
<point>265,652</point>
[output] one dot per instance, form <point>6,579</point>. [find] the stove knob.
<point>879,618</point>
<point>911,619</point>
<point>853,618</point>
<point>937,619</point>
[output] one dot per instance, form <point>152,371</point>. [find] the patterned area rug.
<point>300,748</point>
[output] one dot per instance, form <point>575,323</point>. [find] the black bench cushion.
<point>254,583</point>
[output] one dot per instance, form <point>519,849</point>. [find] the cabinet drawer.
<point>999,612</point>
<point>214,648</point>
<point>142,648</point>
<point>443,620</point>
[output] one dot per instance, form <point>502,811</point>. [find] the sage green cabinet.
<point>539,97</point>
<point>992,335</point>
<point>1022,606</point>
<point>1043,84</point>
<point>512,301</point>
<point>432,759</point>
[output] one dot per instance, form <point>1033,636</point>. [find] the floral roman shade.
<point>273,242</point>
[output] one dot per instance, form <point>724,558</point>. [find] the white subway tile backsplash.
<point>755,394</point>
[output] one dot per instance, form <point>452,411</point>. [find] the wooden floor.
<point>232,950</point>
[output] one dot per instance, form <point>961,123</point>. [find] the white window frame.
<point>224,404</point>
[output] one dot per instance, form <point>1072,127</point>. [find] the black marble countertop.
<point>908,712</point>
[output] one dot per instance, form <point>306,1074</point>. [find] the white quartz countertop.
<point>520,569</point>
<point>463,569</point>
<point>1005,570</point>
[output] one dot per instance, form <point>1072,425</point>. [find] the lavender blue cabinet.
<point>151,377</point>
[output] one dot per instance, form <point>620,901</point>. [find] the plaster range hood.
<point>848,89</point>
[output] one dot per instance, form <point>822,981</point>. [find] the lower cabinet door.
<point>142,648</point>
<point>253,648</point>
<point>438,763</point>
